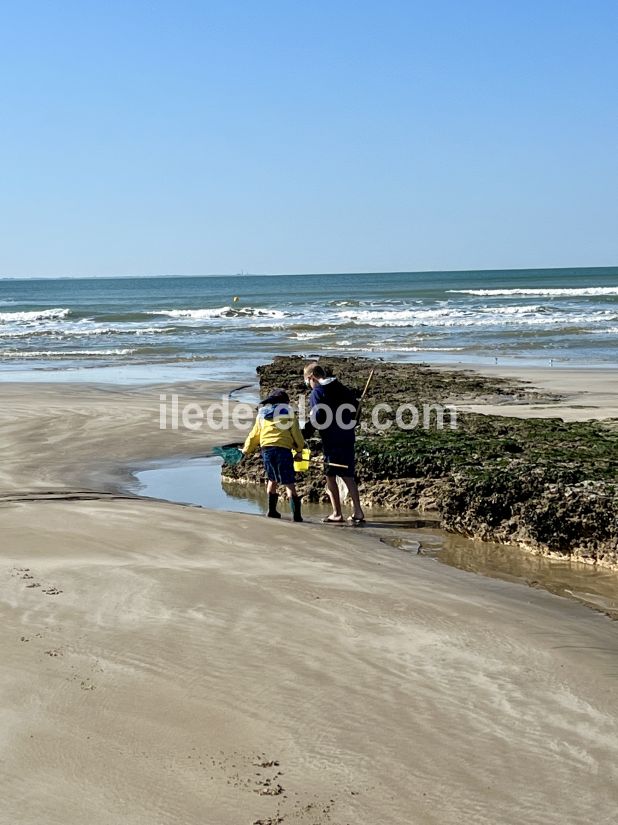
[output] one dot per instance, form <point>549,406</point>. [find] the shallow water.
<point>597,587</point>
<point>197,481</point>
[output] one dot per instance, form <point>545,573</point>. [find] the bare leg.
<point>335,500</point>
<point>291,490</point>
<point>271,487</point>
<point>350,483</point>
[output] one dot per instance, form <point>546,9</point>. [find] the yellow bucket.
<point>301,465</point>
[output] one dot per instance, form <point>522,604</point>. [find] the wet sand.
<point>63,436</point>
<point>166,664</point>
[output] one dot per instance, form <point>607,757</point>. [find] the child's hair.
<point>315,370</point>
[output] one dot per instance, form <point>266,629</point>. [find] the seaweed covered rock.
<point>528,509</point>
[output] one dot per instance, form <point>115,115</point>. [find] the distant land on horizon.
<point>587,269</point>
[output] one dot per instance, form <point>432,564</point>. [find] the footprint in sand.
<point>22,572</point>
<point>260,774</point>
<point>26,574</point>
<point>265,781</point>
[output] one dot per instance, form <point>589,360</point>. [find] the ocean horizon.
<point>242,274</point>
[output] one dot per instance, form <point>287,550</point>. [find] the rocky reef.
<point>543,484</point>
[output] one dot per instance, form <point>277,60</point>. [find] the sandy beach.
<point>168,664</point>
<point>584,394</point>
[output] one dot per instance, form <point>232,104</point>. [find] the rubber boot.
<point>273,498</point>
<point>296,508</point>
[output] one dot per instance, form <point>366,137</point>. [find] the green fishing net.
<point>230,453</point>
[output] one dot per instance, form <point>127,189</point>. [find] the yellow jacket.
<point>272,430</point>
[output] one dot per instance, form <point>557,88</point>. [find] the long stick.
<point>360,401</point>
<point>366,387</point>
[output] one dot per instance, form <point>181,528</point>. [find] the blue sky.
<point>202,137</point>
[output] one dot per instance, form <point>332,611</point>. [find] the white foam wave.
<point>484,317</point>
<point>219,312</point>
<point>557,292</point>
<point>435,314</point>
<point>415,349</point>
<point>386,346</point>
<point>392,316</point>
<point>65,353</point>
<point>35,315</point>
<point>522,310</point>
<point>309,336</point>
<point>77,331</point>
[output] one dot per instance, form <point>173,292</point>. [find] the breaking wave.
<point>78,353</point>
<point>78,331</point>
<point>219,312</point>
<point>309,336</point>
<point>484,317</point>
<point>557,292</point>
<point>35,315</point>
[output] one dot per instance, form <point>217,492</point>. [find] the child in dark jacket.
<point>333,414</point>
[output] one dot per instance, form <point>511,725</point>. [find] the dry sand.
<point>166,664</point>
<point>585,394</point>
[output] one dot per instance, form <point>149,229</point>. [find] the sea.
<point>155,329</point>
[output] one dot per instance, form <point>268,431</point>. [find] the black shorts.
<point>339,461</point>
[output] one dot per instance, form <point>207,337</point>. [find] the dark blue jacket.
<point>332,394</point>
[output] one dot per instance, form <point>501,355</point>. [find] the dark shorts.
<point>334,456</point>
<point>279,464</point>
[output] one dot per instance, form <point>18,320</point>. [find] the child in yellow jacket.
<point>277,433</point>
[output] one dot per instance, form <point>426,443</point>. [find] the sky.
<point>196,138</point>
